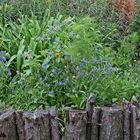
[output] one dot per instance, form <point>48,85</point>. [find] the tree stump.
<point>8,126</point>
<point>76,125</point>
<point>111,124</point>
<point>37,125</point>
<point>55,133</point>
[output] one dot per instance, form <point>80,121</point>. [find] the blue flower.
<point>48,85</point>
<point>49,53</point>
<point>9,73</point>
<point>94,68</point>
<point>53,70</point>
<point>65,57</point>
<point>81,65</point>
<point>60,83</point>
<point>2,51</point>
<point>77,68</point>
<point>51,74</point>
<point>85,60</point>
<point>67,79</point>
<point>40,78</point>
<point>3,58</point>
<point>43,65</point>
<point>51,91</point>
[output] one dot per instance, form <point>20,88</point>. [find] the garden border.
<point>110,122</point>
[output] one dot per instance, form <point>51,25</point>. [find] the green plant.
<point>124,57</point>
<point>60,60</point>
<point>28,40</point>
<point>135,24</point>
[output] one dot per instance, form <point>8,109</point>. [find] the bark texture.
<point>135,119</point>
<point>89,108</point>
<point>76,125</point>
<point>138,128</point>
<point>133,123</point>
<point>111,124</point>
<point>20,125</point>
<point>8,126</point>
<point>95,124</point>
<point>98,123</point>
<point>37,125</point>
<point>55,133</point>
<point>127,120</point>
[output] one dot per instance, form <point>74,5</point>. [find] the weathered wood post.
<point>135,119</point>
<point>20,125</point>
<point>37,125</point>
<point>55,133</point>
<point>93,115</point>
<point>95,123</point>
<point>89,108</point>
<point>138,124</point>
<point>76,125</point>
<point>126,120</point>
<point>111,127</point>
<point>8,126</point>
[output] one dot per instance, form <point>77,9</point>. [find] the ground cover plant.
<point>61,55</point>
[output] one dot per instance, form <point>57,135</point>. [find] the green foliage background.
<point>58,53</point>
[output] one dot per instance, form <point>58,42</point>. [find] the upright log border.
<point>93,123</point>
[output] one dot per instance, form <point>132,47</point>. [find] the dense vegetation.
<point>61,55</point>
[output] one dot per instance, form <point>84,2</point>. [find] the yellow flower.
<point>73,76</point>
<point>57,54</point>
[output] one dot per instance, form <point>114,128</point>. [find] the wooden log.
<point>133,123</point>
<point>138,124</point>
<point>55,133</point>
<point>8,126</point>
<point>37,125</point>
<point>76,125</point>
<point>95,123</point>
<point>127,120</point>
<point>111,124</point>
<point>89,108</point>
<point>135,119</point>
<point>20,125</point>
